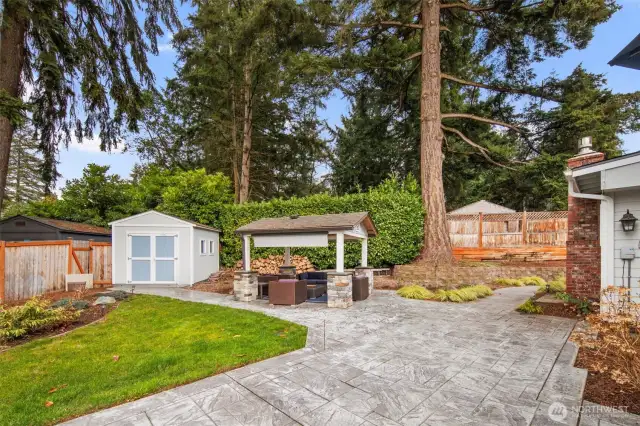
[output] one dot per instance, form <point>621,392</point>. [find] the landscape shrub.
<point>394,206</point>
<point>508,282</point>
<point>613,338</point>
<point>529,307</point>
<point>414,292</point>
<point>533,280</point>
<point>36,314</point>
<point>459,295</point>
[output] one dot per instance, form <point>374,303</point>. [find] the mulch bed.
<point>88,295</point>
<point>603,390</point>
<point>87,316</point>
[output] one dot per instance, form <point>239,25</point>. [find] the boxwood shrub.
<point>394,206</point>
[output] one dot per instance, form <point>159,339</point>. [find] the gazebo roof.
<point>310,224</point>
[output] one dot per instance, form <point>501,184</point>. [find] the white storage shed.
<point>156,248</point>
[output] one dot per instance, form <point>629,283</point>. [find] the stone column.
<point>339,290</point>
<point>245,286</point>
<point>360,270</point>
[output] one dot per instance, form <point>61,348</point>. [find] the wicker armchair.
<point>287,292</point>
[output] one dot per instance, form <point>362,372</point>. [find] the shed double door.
<point>152,259</point>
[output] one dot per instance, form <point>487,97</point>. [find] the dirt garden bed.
<point>87,315</point>
<point>602,389</point>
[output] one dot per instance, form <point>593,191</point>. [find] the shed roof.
<point>67,225</point>
<point>314,223</point>
<point>482,206</point>
<point>190,222</point>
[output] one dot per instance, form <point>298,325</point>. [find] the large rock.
<point>104,300</point>
<point>116,294</point>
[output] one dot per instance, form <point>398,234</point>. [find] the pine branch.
<point>466,6</point>
<point>413,56</point>
<point>394,24</point>
<point>484,120</point>
<point>484,151</point>
<point>532,92</point>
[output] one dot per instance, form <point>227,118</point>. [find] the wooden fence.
<point>509,230</point>
<point>525,236</point>
<point>31,268</point>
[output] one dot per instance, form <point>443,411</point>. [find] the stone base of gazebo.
<point>245,286</point>
<point>363,270</point>
<point>339,290</point>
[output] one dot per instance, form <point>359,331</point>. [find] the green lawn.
<point>161,343</point>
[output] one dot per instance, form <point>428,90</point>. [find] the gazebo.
<point>307,231</point>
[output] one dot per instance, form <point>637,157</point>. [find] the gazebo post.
<point>365,254</point>
<point>287,256</point>
<point>246,252</point>
<point>340,252</point>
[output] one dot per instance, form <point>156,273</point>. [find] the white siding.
<point>623,200</point>
<point>205,264</point>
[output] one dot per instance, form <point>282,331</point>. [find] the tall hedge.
<point>395,208</point>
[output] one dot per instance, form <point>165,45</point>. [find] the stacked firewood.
<point>272,263</point>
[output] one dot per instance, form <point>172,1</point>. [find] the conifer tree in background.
<point>244,98</point>
<point>508,36</point>
<point>85,65</point>
<point>24,180</point>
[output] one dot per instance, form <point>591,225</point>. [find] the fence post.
<point>70,257</point>
<point>2,249</point>
<point>90,268</point>
<point>480,221</point>
<point>524,228</point>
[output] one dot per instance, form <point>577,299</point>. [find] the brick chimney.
<point>583,239</point>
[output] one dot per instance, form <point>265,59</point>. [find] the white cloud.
<point>165,47</point>
<point>92,145</point>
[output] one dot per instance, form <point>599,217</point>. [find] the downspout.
<point>606,228</point>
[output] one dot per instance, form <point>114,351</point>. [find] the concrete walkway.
<point>386,361</point>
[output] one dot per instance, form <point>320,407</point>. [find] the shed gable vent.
<point>21,223</point>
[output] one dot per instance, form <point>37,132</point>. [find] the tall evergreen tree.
<point>24,180</point>
<point>508,37</point>
<point>86,66</point>
<point>244,97</point>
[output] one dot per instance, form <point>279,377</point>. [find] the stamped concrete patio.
<point>388,361</point>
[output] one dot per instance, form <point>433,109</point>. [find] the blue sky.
<point>609,39</point>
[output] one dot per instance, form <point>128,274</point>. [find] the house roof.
<point>629,57</point>
<point>482,206</point>
<point>67,225</point>
<point>190,222</point>
<point>309,224</point>
<point>617,173</point>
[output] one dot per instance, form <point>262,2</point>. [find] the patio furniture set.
<point>289,289</point>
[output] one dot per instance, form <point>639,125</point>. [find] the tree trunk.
<point>437,246</point>
<point>246,135</point>
<point>235,147</point>
<point>12,50</point>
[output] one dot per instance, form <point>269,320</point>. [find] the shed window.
<point>203,247</point>
<point>212,247</point>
